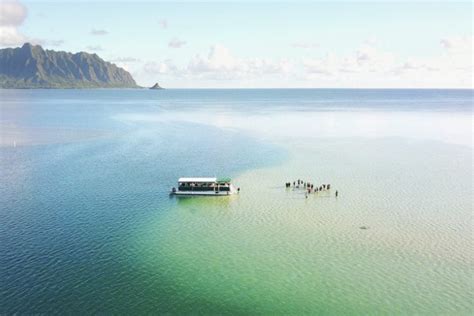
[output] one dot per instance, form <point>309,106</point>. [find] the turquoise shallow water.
<point>87,225</point>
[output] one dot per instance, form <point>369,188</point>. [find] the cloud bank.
<point>219,64</point>
<point>176,43</point>
<point>366,66</point>
<point>163,24</point>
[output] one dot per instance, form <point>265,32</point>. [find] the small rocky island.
<point>31,67</point>
<point>156,86</point>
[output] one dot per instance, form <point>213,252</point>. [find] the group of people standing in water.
<point>309,187</point>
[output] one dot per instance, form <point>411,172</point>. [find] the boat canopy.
<point>197,180</point>
<point>223,180</point>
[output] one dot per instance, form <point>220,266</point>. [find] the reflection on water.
<point>287,125</point>
<point>206,205</point>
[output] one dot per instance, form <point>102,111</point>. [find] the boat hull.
<point>202,193</point>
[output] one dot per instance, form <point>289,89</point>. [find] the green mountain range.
<point>31,66</point>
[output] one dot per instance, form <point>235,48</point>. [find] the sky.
<point>259,44</point>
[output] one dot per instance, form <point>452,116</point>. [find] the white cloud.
<point>219,59</point>
<point>366,66</point>
<point>10,36</point>
<point>164,67</point>
<point>366,59</point>
<point>96,48</point>
<point>98,32</point>
<point>454,64</point>
<point>54,42</point>
<point>126,60</point>
<point>221,63</point>
<point>372,41</point>
<point>369,66</point>
<point>458,44</point>
<point>12,15</point>
<point>163,23</point>
<point>176,43</point>
<point>317,66</point>
<point>458,54</point>
<point>130,64</point>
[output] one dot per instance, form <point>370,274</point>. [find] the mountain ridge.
<point>31,66</point>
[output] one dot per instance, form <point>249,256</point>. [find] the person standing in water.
<point>337,193</point>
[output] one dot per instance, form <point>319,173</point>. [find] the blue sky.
<point>265,44</point>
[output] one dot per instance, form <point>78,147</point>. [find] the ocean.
<point>87,224</point>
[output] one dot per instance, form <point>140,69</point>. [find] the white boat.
<point>204,186</point>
